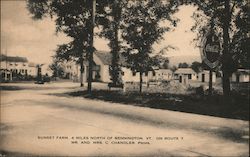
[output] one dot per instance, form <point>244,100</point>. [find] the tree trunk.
<point>140,82</point>
<point>210,82</point>
<point>81,71</point>
<point>91,49</point>
<point>115,47</point>
<point>226,56</point>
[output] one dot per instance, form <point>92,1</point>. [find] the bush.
<point>200,91</point>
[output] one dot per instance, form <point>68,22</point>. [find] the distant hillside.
<point>175,60</point>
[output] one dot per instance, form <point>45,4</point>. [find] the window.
<point>146,73</point>
<point>189,76</point>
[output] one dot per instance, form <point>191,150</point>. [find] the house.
<point>184,75</point>
<point>203,76</point>
<point>71,70</point>
<point>102,62</point>
<point>163,74</point>
<point>14,67</point>
<point>131,76</point>
<point>100,70</point>
<point>32,69</point>
<point>241,75</point>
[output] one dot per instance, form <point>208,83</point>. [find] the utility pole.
<point>210,84</point>
<point>91,50</point>
<point>6,66</point>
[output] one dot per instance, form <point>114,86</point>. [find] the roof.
<point>164,70</point>
<point>106,57</point>
<point>243,71</point>
<point>31,64</point>
<point>13,59</point>
<point>185,71</point>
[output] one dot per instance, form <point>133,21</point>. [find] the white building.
<point>130,76</point>
<point>241,75</point>
<point>15,67</point>
<point>185,74</point>
<point>32,69</point>
<point>71,69</point>
<point>203,76</point>
<point>163,74</point>
<point>102,62</point>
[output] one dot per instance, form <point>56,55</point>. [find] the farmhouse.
<point>102,62</point>
<point>13,67</point>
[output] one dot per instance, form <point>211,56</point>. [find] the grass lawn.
<point>237,107</point>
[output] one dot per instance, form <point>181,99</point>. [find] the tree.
<point>57,69</point>
<point>160,61</point>
<point>174,68</point>
<point>110,20</point>
<point>141,30</point>
<point>183,65</point>
<point>70,52</point>
<point>196,66</point>
<point>74,18</point>
<point>230,21</point>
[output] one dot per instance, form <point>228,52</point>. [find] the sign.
<point>211,50</point>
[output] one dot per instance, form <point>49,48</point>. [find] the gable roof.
<point>13,59</point>
<point>185,71</point>
<point>106,58</point>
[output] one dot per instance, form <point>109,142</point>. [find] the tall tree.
<point>110,19</point>
<point>160,61</point>
<point>230,20</point>
<point>72,17</point>
<point>70,52</point>
<point>141,29</point>
<point>57,69</point>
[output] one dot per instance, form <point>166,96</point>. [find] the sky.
<point>37,40</point>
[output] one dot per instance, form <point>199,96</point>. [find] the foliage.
<point>141,29</point>
<point>160,61</point>
<point>57,69</point>
<point>196,66</point>
<point>183,65</point>
<point>230,21</point>
<point>72,17</point>
<point>109,18</point>
<point>173,68</point>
